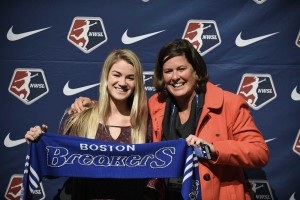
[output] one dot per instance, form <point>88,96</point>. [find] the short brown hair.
<point>175,48</point>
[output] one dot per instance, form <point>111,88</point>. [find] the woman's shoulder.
<point>158,98</point>
<point>217,97</point>
<point>154,98</point>
<point>156,102</point>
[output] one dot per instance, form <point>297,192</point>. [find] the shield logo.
<point>296,147</point>
<point>28,85</point>
<point>257,89</point>
<point>87,33</point>
<point>203,34</point>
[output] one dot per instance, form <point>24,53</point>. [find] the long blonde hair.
<point>85,124</point>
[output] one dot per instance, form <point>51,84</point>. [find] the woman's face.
<point>179,77</point>
<point>120,82</point>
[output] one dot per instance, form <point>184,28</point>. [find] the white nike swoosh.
<point>129,40</point>
<point>295,95</point>
<point>293,196</point>
<point>269,140</point>
<point>69,91</point>
<point>12,143</point>
<point>14,37</point>
<point>242,43</point>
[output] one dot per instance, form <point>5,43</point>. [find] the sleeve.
<point>247,148</point>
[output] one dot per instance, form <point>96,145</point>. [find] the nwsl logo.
<point>28,85</point>
<point>14,189</point>
<point>296,147</point>
<point>203,34</point>
<point>148,82</point>
<point>260,189</point>
<point>87,33</point>
<point>257,90</point>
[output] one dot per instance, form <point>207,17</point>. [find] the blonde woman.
<point>122,103</point>
<point>120,115</point>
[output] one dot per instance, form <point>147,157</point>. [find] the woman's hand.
<point>35,132</point>
<point>80,104</point>
<point>193,140</point>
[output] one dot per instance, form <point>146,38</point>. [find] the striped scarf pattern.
<point>68,156</point>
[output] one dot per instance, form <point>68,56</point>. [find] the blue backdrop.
<point>52,52</point>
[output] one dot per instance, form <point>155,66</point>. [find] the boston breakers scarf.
<point>68,156</point>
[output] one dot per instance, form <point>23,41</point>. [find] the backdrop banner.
<point>52,52</point>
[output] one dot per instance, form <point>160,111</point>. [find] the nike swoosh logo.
<point>269,140</point>
<point>293,196</point>
<point>69,91</point>
<point>11,36</point>
<point>242,43</point>
<point>295,95</point>
<point>12,143</point>
<point>129,40</point>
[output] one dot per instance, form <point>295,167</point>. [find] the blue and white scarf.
<point>68,156</point>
